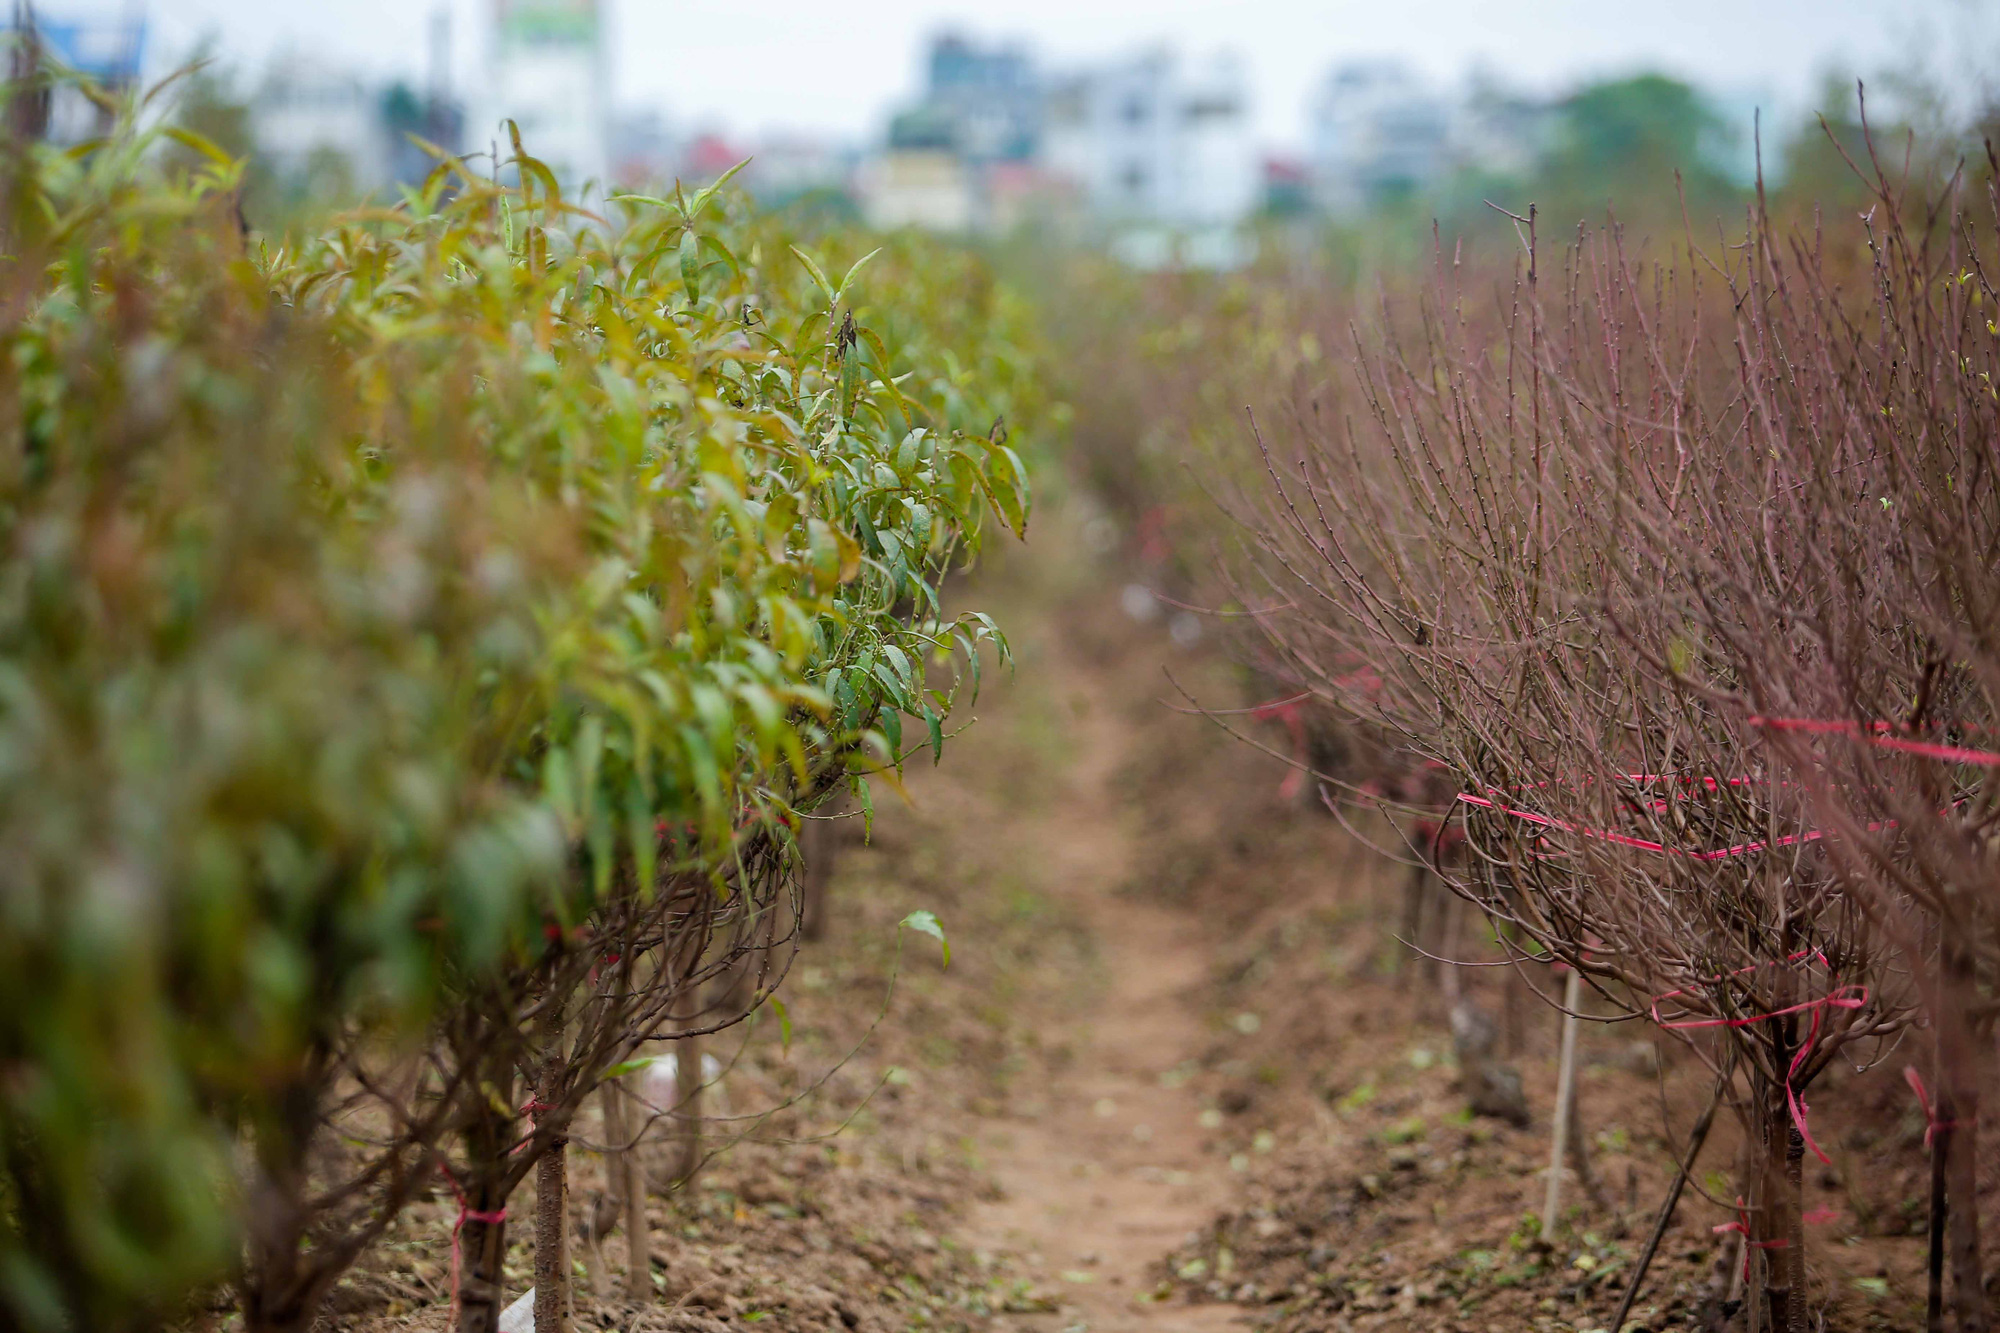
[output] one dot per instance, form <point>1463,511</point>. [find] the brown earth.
<point>1177,1075</point>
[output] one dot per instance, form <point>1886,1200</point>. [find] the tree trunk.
<point>1579,1146</point>
<point>1940,1137</point>
<point>1579,1156</point>
<point>278,1296</point>
<point>1774,1214</point>
<point>1959,1067</point>
<point>481,1234</point>
<point>482,1248</point>
<point>1696,1138</point>
<point>1513,1027</point>
<point>593,1260</point>
<point>600,1219</point>
<point>629,1177</point>
<point>1413,921</point>
<point>1968,1278</point>
<point>552,1288</point>
<point>1794,1251</point>
<point>286,1278</point>
<point>819,842</point>
<point>1713,1311</point>
<point>687,1119</point>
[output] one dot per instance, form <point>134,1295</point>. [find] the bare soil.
<point>1177,1075</point>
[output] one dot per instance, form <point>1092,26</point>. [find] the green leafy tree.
<point>1629,141</point>
<point>386,623</point>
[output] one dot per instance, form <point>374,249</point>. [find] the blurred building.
<point>1150,139</point>
<point>1287,188</point>
<point>982,103</point>
<point>311,119</point>
<point>992,144</point>
<point>975,127</point>
<point>107,49</point>
<point>548,74</point>
<point>1499,132</point>
<point>643,150</point>
<point>1376,131</point>
<point>931,188</point>
<point>330,132</point>
<point>787,167</point>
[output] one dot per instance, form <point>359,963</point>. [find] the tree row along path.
<point>1107,1172</point>
<point>1162,853</point>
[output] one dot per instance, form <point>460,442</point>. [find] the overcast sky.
<point>836,66</point>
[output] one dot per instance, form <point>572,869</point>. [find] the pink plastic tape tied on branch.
<point>1497,803</point>
<point>1932,1124</point>
<point>1841,997</point>
<point>466,1213</point>
<point>1287,712</point>
<point>1881,736</point>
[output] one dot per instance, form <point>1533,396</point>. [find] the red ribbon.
<point>1287,711</point>
<point>1931,1122</point>
<point>1741,1226</point>
<point>1875,734</point>
<point>1841,997</point>
<point>465,1214</point>
<point>532,1108</point>
<point>1627,840</point>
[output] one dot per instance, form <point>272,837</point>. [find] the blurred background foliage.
<point>1158,367</point>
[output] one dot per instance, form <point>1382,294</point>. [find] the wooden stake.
<point>1565,1104</point>
<point>628,1185</point>
<point>638,1235</point>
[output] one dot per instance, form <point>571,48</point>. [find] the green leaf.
<point>630,1067</point>
<point>818,277</point>
<point>198,143</point>
<point>926,923</point>
<point>1010,491</point>
<point>862,795</point>
<point>532,166</point>
<point>936,724</point>
<point>690,256</point>
<point>784,1022</point>
<point>840,292</point>
<point>707,192</point>
<point>645,847</point>
<point>892,725</point>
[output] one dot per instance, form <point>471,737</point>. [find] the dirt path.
<point>1107,1173</point>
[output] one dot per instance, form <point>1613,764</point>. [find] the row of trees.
<point>1683,570</point>
<point>418,648</point>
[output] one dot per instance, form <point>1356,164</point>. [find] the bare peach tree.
<point>1842,606</point>
<point>1456,515</point>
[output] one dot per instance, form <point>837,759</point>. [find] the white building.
<point>1498,131</point>
<point>785,166</point>
<point>1379,131</point>
<point>1376,130</point>
<point>306,112</point>
<point>1151,140</point>
<point>929,188</point>
<point>548,74</point>
<point>106,47</point>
